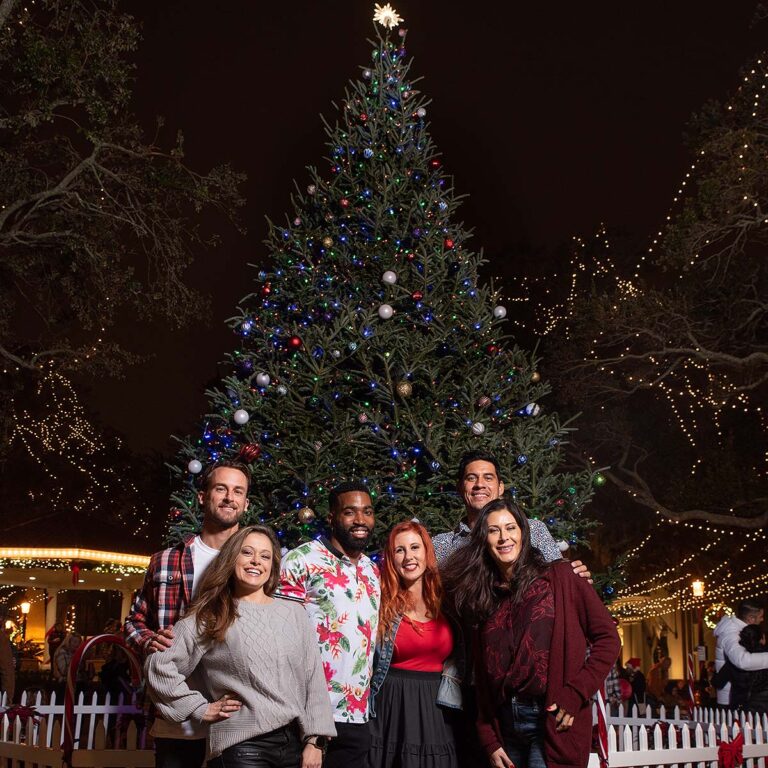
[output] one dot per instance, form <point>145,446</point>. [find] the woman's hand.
<point>221,709</point>
<point>563,720</point>
<point>499,759</point>
<point>311,757</point>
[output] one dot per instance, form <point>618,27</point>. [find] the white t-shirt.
<point>202,557</point>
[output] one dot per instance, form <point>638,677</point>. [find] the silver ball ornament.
<point>499,312</point>
<point>367,74</point>
<point>421,112</point>
<point>335,354</point>
<point>262,379</point>
<point>195,467</point>
<point>478,428</point>
<point>282,389</point>
<point>389,277</point>
<point>386,311</point>
<point>311,189</point>
<point>241,416</point>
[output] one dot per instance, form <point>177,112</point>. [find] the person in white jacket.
<point>727,633</point>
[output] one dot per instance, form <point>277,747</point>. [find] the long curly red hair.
<point>395,600</point>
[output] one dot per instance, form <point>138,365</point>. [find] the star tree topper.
<point>386,15</point>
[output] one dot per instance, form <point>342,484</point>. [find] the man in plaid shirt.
<point>169,587</point>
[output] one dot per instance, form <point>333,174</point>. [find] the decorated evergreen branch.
<point>370,349</point>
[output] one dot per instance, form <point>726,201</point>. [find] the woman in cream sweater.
<point>260,680</point>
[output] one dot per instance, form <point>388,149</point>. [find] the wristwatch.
<point>321,742</point>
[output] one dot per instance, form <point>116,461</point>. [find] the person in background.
<point>658,677</point>
<point>534,622</point>
<point>727,632</point>
<point>7,660</point>
<point>749,690</point>
<point>637,681</point>
<point>54,638</point>
<point>414,666</point>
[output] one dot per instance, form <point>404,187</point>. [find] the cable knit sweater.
<point>269,660</point>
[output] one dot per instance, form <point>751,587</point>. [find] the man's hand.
<point>499,759</point>
<point>311,756</point>
<point>221,709</point>
<point>562,719</point>
<point>161,640</point>
<point>581,570</point>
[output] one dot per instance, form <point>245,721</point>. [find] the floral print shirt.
<point>342,599</point>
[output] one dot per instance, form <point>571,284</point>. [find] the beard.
<point>349,542</point>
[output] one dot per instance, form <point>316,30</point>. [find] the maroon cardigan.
<point>572,678</point>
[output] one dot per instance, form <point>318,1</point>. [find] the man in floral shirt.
<point>339,587</point>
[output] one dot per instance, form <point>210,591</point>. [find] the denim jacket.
<point>449,691</point>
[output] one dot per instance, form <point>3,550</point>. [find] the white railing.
<point>652,742</point>
<point>105,733</point>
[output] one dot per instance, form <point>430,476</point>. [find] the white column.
<point>125,608</point>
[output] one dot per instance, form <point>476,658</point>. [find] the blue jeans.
<point>522,732</point>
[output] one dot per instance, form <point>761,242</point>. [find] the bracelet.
<point>319,742</point>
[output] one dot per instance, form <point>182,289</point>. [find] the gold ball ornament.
<point>483,402</point>
<point>306,515</point>
<point>535,376</point>
<point>404,388</point>
<point>327,242</point>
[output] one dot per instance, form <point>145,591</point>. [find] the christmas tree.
<point>371,350</point>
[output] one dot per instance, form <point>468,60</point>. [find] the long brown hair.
<point>470,575</point>
<point>216,605</point>
<point>395,599</point>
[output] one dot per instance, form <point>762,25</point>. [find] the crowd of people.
<point>469,648</point>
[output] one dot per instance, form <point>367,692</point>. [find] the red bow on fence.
<point>22,712</point>
<point>729,754</point>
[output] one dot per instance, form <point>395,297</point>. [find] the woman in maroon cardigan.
<point>533,623</point>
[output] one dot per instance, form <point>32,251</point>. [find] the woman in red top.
<point>534,622</point>
<point>410,729</point>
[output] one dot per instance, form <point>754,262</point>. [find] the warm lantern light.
<point>698,588</point>
<point>25,606</point>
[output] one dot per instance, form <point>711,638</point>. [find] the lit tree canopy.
<point>669,359</point>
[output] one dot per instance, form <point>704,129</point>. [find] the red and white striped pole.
<point>691,679</point>
<point>602,730</point>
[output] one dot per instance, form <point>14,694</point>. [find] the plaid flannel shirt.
<point>163,597</point>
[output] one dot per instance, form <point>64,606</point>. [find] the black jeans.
<point>350,747</point>
<point>179,753</point>
<point>280,748</point>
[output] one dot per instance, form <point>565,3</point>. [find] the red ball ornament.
<point>492,349</point>
<point>294,342</point>
<point>410,256</point>
<point>560,503</point>
<point>448,242</point>
<point>435,163</point>
<point>417,295</point>
<point>249,452</point>
<point>363,117</point>
<point>266,289</point>
<point>344,202</point>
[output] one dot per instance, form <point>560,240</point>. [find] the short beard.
<point>348,542</point>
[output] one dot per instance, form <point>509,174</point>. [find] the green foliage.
<point>394,400</point>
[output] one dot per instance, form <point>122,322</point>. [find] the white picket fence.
<point>38,740</point>
<point>647,741</point>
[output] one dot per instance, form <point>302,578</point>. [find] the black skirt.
<point>410,730</point>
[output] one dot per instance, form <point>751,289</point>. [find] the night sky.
<point>553,117</point>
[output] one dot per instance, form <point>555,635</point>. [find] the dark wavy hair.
<point>240,466</point>
<point>473,583</point>
<point>216,605</point>
<point>750,638</point>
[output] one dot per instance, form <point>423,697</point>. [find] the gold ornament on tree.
<point>306,515</point>
<point>327,242</point>
<point>404,388</point>
<point>535,377</point>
